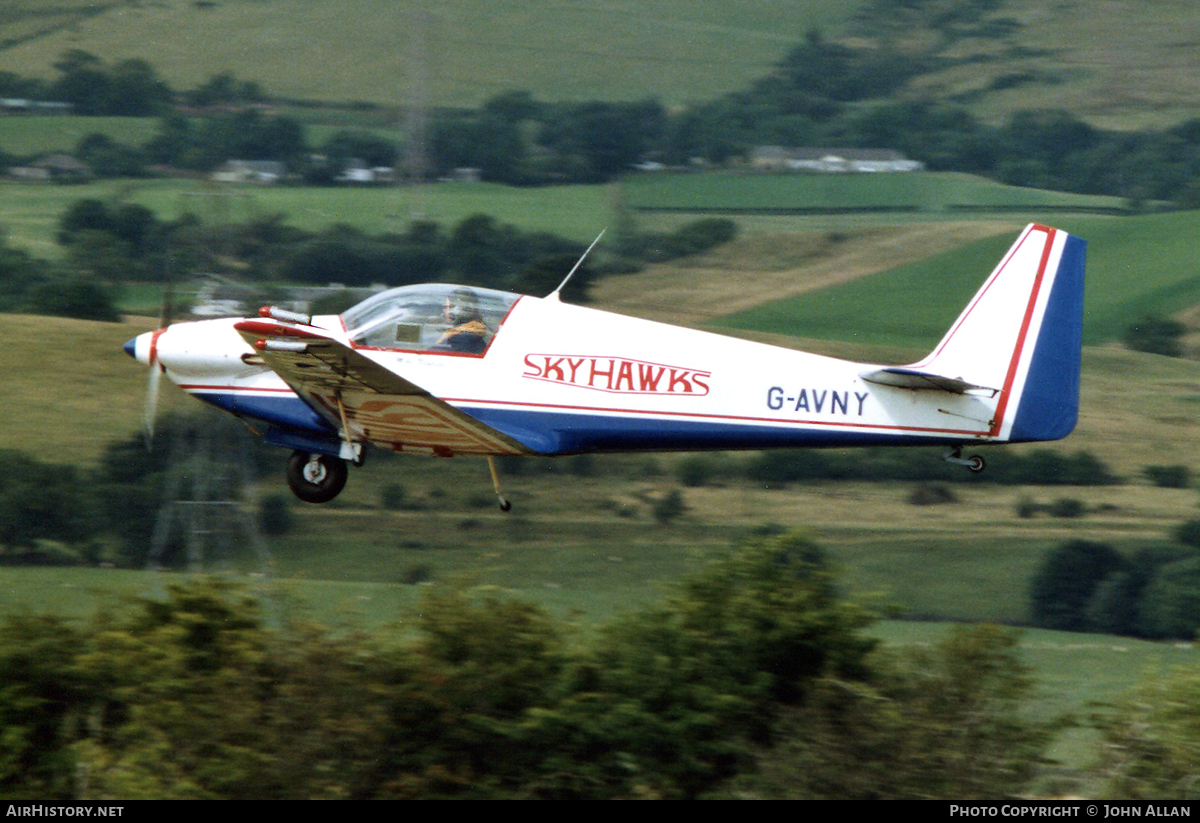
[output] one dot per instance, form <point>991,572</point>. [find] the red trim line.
<point>1011,377</point>
<point>203,387</point>
<point>153,355</point>
<point>732,417</point>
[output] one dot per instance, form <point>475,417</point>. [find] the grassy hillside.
<point>1121,63</point>
<point>364,50</point>
<point>69,389</point>
<point>1125,64</point>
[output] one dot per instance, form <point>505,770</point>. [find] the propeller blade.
<point>151,408</point>
<point>150,411</point>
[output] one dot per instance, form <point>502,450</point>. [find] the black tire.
<point>316,478</point>
<point>976,464</point>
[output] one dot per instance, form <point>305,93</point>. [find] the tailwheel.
<point>316,478</point>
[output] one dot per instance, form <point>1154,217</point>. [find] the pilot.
<point>467,332</point>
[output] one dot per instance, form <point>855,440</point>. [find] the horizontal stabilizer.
<point>908,378</point>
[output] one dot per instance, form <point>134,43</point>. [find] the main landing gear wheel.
<point>975,462</point>
<point>316,478</point>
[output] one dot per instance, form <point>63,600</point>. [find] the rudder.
<point>1021,337</point>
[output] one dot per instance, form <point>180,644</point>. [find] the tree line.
<point>110,245</point>
<point>821,93</point>
<point>1087,586</point>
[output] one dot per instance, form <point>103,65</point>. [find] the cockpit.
<point>431,317</point>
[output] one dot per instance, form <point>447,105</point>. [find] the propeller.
<point>150,410</point>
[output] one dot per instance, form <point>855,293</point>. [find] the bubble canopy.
<point>430,317</point>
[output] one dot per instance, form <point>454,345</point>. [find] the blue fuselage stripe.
<point>572,432</point>
<point>287,411</point>
<point>559,432</point>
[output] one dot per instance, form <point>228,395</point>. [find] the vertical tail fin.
<point>1019,341</point>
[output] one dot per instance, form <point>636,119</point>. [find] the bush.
<point>668,507</point>
<point>694,470</point>
<point>1170,606</point>
<point>1169,477</point>
<point>1065,507</point>
<point>1027,507</point>
<point>1155,335</point>
<point>931,494</point>
<point>1188,533</point>
<point>1115,606</point>
<point>392,496</point>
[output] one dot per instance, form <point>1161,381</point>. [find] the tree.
<point>944,722</point>
<point>545,274</point>
<point>1066,580</point>
<point>607,138</point>
<point>44,696</point>
<point>1153,739</point>
<point>1170,602</point>
<point>345,145</point>
<point>672,698</point>
<point>131,88</point>
<point>224,88</point>
<point>39,501</point>
<point>73,295</point>
<point>135,90</point>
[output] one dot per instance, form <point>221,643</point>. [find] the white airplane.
<point>447,370</point>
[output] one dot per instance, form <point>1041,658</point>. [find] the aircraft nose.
<point>141,348</point>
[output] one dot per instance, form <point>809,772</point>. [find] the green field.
<point>38,135</point>
<point>30,213</point>
<point>1136,266</point>
<point>923,192</point>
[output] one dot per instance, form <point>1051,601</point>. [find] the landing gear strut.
<point>504,504</point>
<point>316,478</point>
<point>975,463</point>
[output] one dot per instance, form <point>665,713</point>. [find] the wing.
<point>371,401</point>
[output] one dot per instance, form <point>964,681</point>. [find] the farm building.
<point>263,172</point>
<point>831,161</point>
<point>60,168</point>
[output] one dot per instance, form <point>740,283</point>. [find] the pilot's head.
<point>461,306</point>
